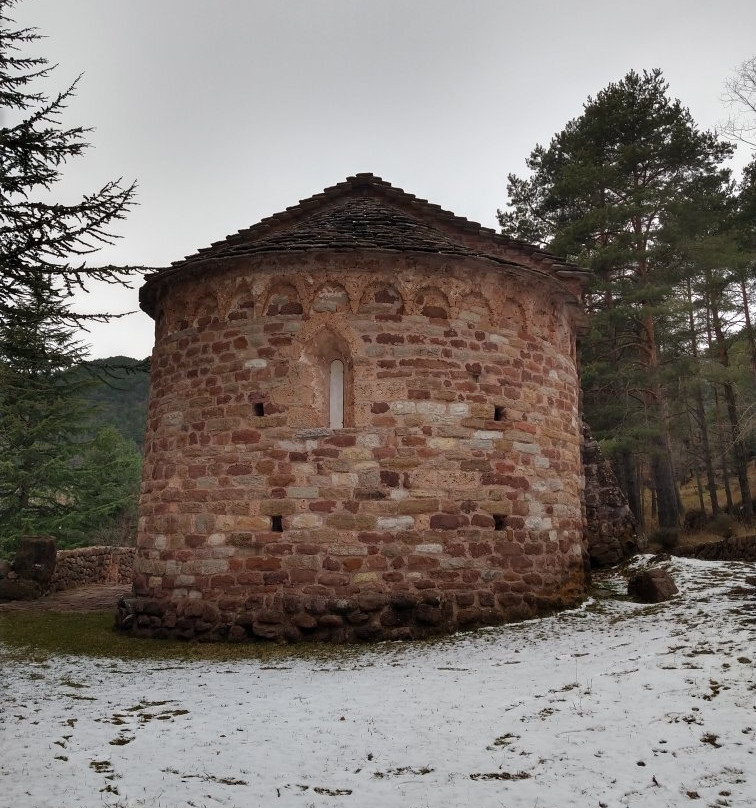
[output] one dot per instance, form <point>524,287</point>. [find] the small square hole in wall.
<point>259,408</point>
<point>499,413</point>
<point>276,524</point>
<point>500,521</point>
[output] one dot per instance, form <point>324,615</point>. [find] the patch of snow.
<point>612,704</point>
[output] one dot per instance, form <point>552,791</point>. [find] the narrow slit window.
<point>259,408</point>
<point>336,397</point>
<point>276,524</point>
<point>500,521</point>
<point>498,413</point>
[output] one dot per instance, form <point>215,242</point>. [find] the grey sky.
<point>227,111</point>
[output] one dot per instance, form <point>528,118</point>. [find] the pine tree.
<point>40,238</point>
<point>43,247</point>
<point>42,419</point>
<point>600,194</point>
<point>106,491</point>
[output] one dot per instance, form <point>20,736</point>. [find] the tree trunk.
<point>662,469</point>
<point>740,454</point>
<point>723,453</point>
<point>748,328</point>
<point>720,425</point>
<point>629,473</point>
<point>711,480</point>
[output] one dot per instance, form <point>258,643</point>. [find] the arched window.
<point>324,389</point>
<point>336,395</point>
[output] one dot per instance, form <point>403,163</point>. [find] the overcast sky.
<point>226,111</point>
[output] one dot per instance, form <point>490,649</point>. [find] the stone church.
<point>363,424</point>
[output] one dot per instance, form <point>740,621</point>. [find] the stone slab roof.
<point>364,212</point>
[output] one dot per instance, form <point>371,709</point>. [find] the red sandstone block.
<point>480,549</point>
<point>333,579</point>
<point>279,548</point>
<point>281,480</point>
<point>389,478</point>
<point>368,537</point>
<point>302,576</point>
<point>445,521</point>
<point>245,436</point>
<point>352,564</point>
<point>424,583</point>
<point>195,540</point>
<point>507,480</point>
<point>379,407</point>
<point>421,562</point>
<point>240,469</point>
<point>263,563</point>
<point>222,582</point>
<point>280,577</point>
<point>322,506</point>
<point>341,440</point>
<point>375,562</point>
<point>249,578</point>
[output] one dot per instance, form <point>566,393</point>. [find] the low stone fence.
<point>737,548</point>
<point>92,565</point>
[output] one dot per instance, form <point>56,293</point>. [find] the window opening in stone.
<point>498,413</point>
<point>336,395</point>
<point>276,524</point>
<point>500,522</point>
<point>259,408</point>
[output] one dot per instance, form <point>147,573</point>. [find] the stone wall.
<point>611,531</point>
<point>93,565</point>
<point>736,548</point>
<point>450,498</point>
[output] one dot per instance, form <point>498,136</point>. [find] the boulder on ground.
<point>19,589</point>
<point>35,559</point>
<point>651,586</point>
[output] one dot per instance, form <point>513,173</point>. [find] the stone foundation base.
<point>369,616</point>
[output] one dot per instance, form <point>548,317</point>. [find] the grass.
<point>36,635</point>
<point>689,498</point>
<point>689,491</point>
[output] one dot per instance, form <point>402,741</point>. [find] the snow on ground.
<point>613,704</point>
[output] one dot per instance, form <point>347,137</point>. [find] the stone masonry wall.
<point>451,497</point>
<point>93,565</point>
<point>736,548</point>
<point>611,530</point>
